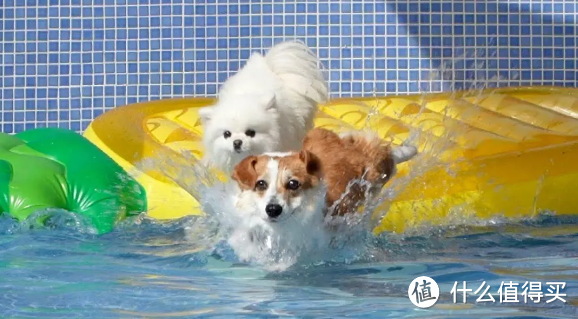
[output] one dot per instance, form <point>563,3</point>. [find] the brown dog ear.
<point>312,162</point>
<point>245,173</point>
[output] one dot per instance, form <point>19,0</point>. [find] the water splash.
<point>47,219</point>
<point>354,239</point>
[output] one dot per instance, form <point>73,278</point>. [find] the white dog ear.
<point>205,113</point>
<point>256,56</point>
<point>269,102</point>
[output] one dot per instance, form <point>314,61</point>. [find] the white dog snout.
<point>237,144</point>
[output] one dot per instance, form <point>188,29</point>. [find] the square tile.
<point>83,59</point>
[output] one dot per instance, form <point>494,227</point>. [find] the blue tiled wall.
<point>63,62</point>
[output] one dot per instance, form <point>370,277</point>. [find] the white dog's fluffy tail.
<point>297,67</point>
<point>290,70</point>
<point>403,153</point>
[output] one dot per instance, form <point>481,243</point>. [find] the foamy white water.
<point>278,247</point>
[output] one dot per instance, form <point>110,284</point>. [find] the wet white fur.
<point>298,229</point>
<point>253,204</point>
<point>301,229</point>
<point>276,95</point>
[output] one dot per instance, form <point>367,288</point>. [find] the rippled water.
<point>146,269</point>
<point>151,270</point>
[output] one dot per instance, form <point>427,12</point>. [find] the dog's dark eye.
<point>250,133</point>
<point>293,185</point>
<point>227,134</point>
<point>261,185</point>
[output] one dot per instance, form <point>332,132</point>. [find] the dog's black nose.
<point>273,210</point>
<point>237,144</point>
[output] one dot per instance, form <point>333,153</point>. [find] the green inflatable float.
<point>49,168</point>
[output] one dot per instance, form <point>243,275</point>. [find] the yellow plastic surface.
<point>508,152</point>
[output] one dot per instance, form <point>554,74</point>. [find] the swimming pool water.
<point>149,270</point>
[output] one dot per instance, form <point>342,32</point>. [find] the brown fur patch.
<point>345,160</point>
<point>304,168</point>
<point>249,170</point>
<point>336,160</point>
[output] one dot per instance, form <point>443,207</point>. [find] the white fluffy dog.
<point>268,106</point>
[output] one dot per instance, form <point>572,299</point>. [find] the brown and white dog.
<point>335,171</point>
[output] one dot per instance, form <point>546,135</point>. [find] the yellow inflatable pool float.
<point>509,152</point>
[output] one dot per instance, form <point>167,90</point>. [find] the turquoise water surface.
<point>150,270</point>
